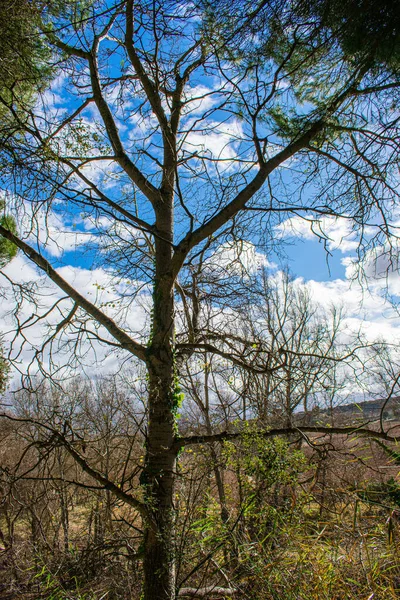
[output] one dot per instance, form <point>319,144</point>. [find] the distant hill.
<point>368,410</point>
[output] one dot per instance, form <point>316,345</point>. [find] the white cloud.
<point>236,258</point>
<point>97,285</point>
<point>200,99</point>
<point>54,234</point>
<point>337,231</point>
<point>218,140</point>
<point>379,267</point>
<point>365,310</point>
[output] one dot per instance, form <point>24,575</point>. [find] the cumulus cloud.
<point>200,99</point>
<point>379,267</point>
<point>218,140</point>
<point>39,321</point>
<point>53,232</point>
<point>365,309</point>
<point>337,231</point>
<point>236,259</point>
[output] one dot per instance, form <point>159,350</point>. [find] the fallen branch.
<point>206,592</point>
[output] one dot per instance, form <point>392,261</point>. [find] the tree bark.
<point>158,482</point>
<point>160,464</point>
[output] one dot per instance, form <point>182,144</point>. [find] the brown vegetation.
<point>306,516</point>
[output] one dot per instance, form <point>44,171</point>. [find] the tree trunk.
<point>214,456</point>
<point>63,496</point>
<point>158,480</point>
<point>160,464</point>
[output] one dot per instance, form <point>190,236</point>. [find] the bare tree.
<point>183,129</point>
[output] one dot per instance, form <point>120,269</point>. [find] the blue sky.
<point>309,259</point>
<point>218,136</point>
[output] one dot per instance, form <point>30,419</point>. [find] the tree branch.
<point>206,592</point>
<point>224,436</point>
<point>106,483</point>
<point>149,87</point>
<point>123,338</point>
<point>145,186</point>
<point>239,202</point>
